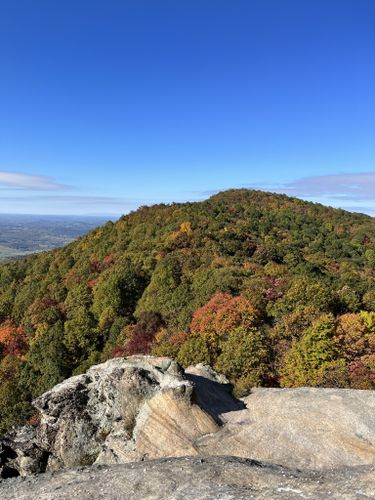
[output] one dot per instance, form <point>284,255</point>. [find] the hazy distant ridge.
<point>24,234</point>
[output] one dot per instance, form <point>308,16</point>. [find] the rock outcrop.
<point>205,478</point>
<point>118,411</point>
<point>305,428</point>
<point>143,408</point>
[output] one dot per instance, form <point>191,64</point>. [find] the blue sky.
<point>108,105</point>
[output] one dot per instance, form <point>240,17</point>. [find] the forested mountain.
<point>268,289</point>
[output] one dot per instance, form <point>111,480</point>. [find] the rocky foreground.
<point>224,478</point>
<point>141,408</point>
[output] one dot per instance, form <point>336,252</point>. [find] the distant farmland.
<point>21,235</point>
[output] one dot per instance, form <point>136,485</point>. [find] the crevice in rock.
<point>9,472</point>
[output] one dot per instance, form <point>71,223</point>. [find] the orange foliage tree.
<point>13,340</point>
<point>222,314</point>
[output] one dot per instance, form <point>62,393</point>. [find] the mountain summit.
<point>270,290</point>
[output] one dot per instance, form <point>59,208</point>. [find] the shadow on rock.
<point>213,395</point>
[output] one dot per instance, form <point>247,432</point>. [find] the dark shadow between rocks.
<point>6,454</point>
<point>214,398</point>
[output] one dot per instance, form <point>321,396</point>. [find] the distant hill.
<point>24,234</point>
<point>268,289</point>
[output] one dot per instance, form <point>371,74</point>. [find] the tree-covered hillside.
<point>268,289</point>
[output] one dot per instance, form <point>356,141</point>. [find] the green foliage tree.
<point>118,289</point>
<point>311,355</point>
<point>368,300</point>
<point>47,362</point>
<point>304,292</point>
<point>207,282</point>
<point>244,358</point>
<point>168,293</point>
<point>80,334</point>
<point>14,408</point>
<point>195,350</point>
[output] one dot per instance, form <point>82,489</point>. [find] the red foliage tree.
<point>140,343</point>
<point>362,373</point>
<point>118,352</point>
<point>92,282</point>
<point>107,262</point>
<point>143,334</point>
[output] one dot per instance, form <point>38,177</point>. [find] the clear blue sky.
<point>106,105</point>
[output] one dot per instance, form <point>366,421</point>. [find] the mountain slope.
<point>269,289</point>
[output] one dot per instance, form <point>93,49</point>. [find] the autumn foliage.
<point>268,289</point>
<point>13,340</point>
<point>221,315</point>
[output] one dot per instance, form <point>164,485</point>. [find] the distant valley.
<point>25,234</point>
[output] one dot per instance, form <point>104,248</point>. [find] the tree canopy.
<point>269,289</point>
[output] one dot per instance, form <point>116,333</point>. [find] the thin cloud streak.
<point>353,192</point>
<point>79,199</point>
<point>19,180</point>
<point>69,205</point>
<point>341,187</point>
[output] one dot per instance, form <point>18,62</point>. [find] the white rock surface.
<point>306,427</point>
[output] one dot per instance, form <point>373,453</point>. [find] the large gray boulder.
<point>119,411</point>
<point>143,408</point>
<point>204,478</point>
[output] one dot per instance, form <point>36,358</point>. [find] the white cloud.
<point>346,187</point>
<point>67,205</point>
<point>18,180</point>
<point>354,191</point>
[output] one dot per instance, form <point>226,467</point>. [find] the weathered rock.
<point>142,408</point>
<point>119,411</point>
<point>193,478</point>
<point>20,451</point>
<point>306,427</point>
